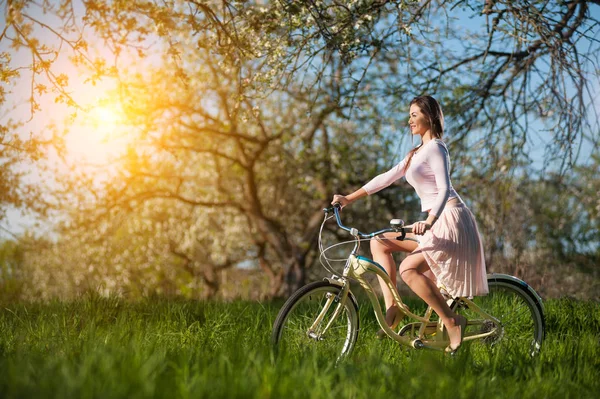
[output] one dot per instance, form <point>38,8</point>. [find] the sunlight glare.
<point>98,137</point>
<point>105,119</point>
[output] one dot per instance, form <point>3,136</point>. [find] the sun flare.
<point>98,137</point>
<point>105,119</point>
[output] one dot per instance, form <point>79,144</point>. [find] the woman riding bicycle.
<point>450,253</point>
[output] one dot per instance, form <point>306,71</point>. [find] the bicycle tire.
<point>519,311</point>
<point>291,336</point>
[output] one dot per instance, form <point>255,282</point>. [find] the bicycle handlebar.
<point>353,231</point>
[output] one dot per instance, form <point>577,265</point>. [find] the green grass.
<point>109,348</point>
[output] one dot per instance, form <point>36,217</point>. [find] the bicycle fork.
<point>314,331</point>
<point>340,299</point>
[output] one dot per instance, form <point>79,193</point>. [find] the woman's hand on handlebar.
<point>341,199</point>
<point>344,200</point>
<point>419,228</point>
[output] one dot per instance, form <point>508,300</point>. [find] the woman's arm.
<point>378,183</point>
<point>383,180</point>
<point>438,161</point>
<point>350,198</point>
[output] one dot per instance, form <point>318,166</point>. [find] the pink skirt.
<point>454,252</point>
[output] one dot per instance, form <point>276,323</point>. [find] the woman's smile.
<point>417,121</point>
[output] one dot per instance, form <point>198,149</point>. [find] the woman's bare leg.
<point>382,248</point>
<point>413,271</point>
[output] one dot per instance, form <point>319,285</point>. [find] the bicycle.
<point>324,315</point>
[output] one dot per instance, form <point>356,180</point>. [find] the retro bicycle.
<point>323,316</point>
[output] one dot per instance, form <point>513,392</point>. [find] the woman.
<point>450,253</point>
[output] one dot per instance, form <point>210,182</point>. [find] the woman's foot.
<point>393,317</point>
<point>456,332</point>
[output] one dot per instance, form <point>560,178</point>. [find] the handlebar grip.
<point>335,205</point>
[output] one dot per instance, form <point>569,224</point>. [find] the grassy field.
<point>109,348</point>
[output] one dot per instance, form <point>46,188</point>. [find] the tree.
<point>196,145</point>
<point>276,100</point>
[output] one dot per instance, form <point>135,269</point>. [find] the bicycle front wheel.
<point>509,317</point>
<point>314,321</point>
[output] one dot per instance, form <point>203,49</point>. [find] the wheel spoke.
<point>520,328</point>
<point>291,330</point>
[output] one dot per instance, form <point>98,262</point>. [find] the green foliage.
<point>543,229</point>
<point>11,265</point>
<point>105,347</point>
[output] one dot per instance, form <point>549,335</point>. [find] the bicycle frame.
<point>357,267</point>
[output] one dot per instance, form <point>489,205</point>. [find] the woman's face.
<point>418,122</point>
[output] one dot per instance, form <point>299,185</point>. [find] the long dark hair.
<point>433,112</point>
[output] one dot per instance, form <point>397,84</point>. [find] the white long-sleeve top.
<point>428,173</point>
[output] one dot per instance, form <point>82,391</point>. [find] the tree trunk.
<point>295,275</point>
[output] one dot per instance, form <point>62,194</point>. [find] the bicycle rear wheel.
<point>308,324</point>
<point>517,323</point>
